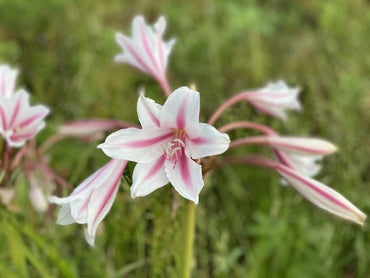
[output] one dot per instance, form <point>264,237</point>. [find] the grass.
<point>247,224</point>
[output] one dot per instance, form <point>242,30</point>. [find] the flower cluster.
<point>171,144</point>
<point>19,121</point>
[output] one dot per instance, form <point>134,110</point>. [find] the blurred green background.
<point>247,224</point>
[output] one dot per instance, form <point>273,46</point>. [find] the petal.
<point>8,78</point>
<point>323,196</point>
<point>83,190</point>
<point>148,177</point>
<point>305,165</point>
<point>209,142</point>
<point>137,145</point>
<point>102,198</point>
<point>186,177</point>
<point>181,111</point>
<point>64,216</point>
<point>301,145</point>
<point>148,112</point>
<point>133,55</point>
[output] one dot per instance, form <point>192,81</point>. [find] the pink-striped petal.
<point>148,177</point>
<point>186,177</point>
<point>323,196</point>
<point>181,111</point>
<point>210,142</point>
<point>299,145</point>
<point>148,112</point>
<point>137,145</point>
<point>102,198</point>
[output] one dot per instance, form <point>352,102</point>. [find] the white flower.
<point>18,120</point>
<point>165,147</point>
<point>274,99</point>
<point>91,201</point>
<point>146,50</point>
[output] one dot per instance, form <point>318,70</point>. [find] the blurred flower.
<point>299,145</point>
<point>274,99</point>
<point>146,50</point>
<point>8,78</point>
<point>18,120</point>
<point>41,185</point>
<point>322,196</point>
<point>91,201</point>
<point>166,146</point>
<point>91,129</point>
<point>7,195</point>
<point>37,197</point>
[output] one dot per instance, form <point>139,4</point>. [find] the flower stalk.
<point>189,239</point>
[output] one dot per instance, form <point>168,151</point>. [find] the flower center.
<point>175,148</point>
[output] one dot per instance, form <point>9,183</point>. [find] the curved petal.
<point>148,112</point>
<point>323,196</point>
<point>186,177</point>
<point>209,142</point>
<point>181,111</point>
<point>137,145</point>
<point>65,216</point>
<point>102,198</point>
<point>148,177</point>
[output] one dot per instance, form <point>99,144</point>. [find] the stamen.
<point>179,141</point>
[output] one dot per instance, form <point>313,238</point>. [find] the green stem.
<point>189,239</point>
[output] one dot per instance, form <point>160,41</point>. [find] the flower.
<point>300,145</point>
<point>41,184</point>
<point>92,199</point>
<point>170,138</point>
<point>322,196</point>
<point>18,120</point>
<point>90,128</point>
<point>274,99</point>
<point>8,77</point>
<point>146,50</point>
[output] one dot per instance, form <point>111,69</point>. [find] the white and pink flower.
<point>146,50</point>
<point>18,120</point>
<point>90,202</point>
<point>274,99</point>
<point>165,148</point>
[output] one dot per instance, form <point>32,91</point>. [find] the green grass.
<point>247,224</point>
